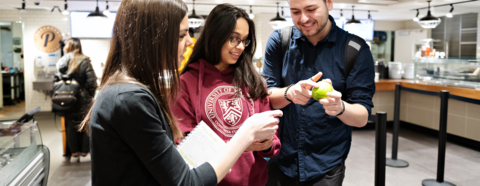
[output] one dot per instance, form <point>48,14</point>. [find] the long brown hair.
<point>219,26</point>
<point>144,48</point>
<point>75,46</point>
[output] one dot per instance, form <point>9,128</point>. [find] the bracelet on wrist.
<point>343,109</point>
<point>285,94</point>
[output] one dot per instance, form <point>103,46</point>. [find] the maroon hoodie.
<point>207,94</point>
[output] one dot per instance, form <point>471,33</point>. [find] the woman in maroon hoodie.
<point>221,87</point>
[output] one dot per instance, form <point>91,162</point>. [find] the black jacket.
<point>86,78</point>
<point>131,142</point>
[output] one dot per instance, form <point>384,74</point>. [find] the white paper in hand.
<point>200,145</point>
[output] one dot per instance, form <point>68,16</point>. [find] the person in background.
<point>131,126</point>
<point>316,135</point>
<point>189,49</point>
<point>77,66</point>
<point>221,87</point>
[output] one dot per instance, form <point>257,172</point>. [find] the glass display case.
<point>24,160</point>
<point>448,72</point>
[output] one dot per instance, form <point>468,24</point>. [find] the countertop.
<point>389,84</point>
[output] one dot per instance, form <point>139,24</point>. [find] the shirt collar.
<point>331,36</point>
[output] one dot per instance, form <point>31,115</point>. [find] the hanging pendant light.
<point>65,11</point>
<point>251,13</point>
<point>195,20</point>
<point>106,11</point>
<point>96,14</point>
<point>429,21</point>
<point>277,22</point>
<point>353,20</point>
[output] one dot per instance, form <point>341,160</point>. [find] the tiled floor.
<point>462,165</point>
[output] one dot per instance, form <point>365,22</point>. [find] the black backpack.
<point>351,49</point>
<point>65,95</point>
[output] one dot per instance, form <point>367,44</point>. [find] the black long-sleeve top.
<point>132,143</point>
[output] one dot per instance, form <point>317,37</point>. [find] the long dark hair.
<point>219,26</point>
<point>144,49</point>
<point>74,45</point>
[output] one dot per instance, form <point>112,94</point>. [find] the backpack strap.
<point>285,37</point>
<point>352,49</point>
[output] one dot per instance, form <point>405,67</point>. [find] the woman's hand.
<point>260,145</point>
<point>262,125</point>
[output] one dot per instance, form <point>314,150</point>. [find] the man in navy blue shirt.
<point>316,135</point>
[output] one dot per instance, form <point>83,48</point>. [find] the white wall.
<point>263,31</point>
<point>389,25</point>
<point>404,44</point>
<point>34,19</point>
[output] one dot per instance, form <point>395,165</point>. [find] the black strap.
<point>285,37</point>
<point>352,49</point>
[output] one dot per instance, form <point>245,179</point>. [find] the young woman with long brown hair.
<point>221,87</point>
<point>131,126</point>
<point>77,66</point>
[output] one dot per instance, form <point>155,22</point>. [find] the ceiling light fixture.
<point>416,17</point>
<point>65,11</point>
<point>195,20</point>
<point>251,13</point>
<point>450,15</point>
<point>429,21</point>
<point>353,20</point>
<point>277,22</point>
<point>106,11</point>
<point>97,14</point>
<point>342,18</point>
<point>369,20</point>
<point>23,7</point>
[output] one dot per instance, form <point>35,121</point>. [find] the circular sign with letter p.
<point>47,39</point>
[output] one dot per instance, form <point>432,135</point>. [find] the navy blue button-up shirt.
<point>314,142</point>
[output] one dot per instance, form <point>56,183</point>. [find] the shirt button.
<point>309,69</point>
<point>303,110</point>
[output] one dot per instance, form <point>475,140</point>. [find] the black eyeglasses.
<point>235,41</point>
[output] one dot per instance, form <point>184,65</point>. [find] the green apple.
<point>322,90</point>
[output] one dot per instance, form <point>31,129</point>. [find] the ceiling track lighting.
<point>23,7</point>
<point>450,15</point>
<point>97,14</point>
<point>65,9</point>
<point>251,15</point>
<point>429,21</point>
<point>106,11</point>
<point>416,17</point>
<point>369,20</point>
<point>56,7</point>
<point>277,22</point>
<point>342,18</point>
<point>195,20</point>
<point>353,20</point>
